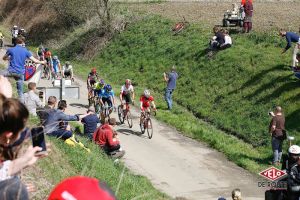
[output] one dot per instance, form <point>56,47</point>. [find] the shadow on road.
<point>78,105</point>
<point>131,132</point>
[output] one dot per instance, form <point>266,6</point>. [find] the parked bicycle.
<point>179,26</point>
<point>146,123</point>
<point>125,114</point>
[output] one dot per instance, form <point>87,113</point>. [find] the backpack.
<point>74,142</point>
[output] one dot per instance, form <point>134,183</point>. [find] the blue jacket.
<point>17,56</point>
<point>54,117</point>
<point>291,37</point>
<point>90,123</point>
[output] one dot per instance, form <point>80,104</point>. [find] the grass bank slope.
<point>234,91</point>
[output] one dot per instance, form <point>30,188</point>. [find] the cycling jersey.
<point>146,101</point>
<point>125,90</point>
<point>92,78</point>
<point>56,63</point>
<point>67,69</point>
<point>99,86</point>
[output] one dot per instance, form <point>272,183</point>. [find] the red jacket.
<point>103,136</point>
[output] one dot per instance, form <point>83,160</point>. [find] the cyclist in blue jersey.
<point>56,65</point>
<point>108,95</point>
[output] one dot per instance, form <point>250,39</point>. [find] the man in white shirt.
<point>228,41</point>
<point>68,71</point>
<point>31,99</point>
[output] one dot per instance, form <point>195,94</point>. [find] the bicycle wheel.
<point>142,123</point>
<point>121,114</point>
<point>149,128</point>
<point>129,119</point>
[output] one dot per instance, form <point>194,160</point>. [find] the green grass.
<point>232,92</point>
<point>65,161</point>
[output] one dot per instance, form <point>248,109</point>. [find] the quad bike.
<point>234,17</point>
<point>179,26</point>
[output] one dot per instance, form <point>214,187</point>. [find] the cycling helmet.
<point>147,93</point>
<point>108,87</point>
<point>55,57</point>
<point>102,82</point>
<point>94,70</point>
<point>67,62</point>
<point>294,149</point>
<point>15,26</point>
<point>128,82</point>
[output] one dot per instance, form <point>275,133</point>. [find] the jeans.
<point>277,149</point>
<point>61,133</point>
<point>13,189</point>
<point>168,97</point>
<point>19,81</point>
<point>296,50</point>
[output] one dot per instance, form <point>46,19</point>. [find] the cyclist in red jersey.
<point>146,101</point>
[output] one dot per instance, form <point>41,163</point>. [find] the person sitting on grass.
<point>107,138</point>
<point>90,122</point>
<point>31,100</point>
<point>218,39</point>
<point>55,122</point>
<point>13,118</point>
<point>297,68</point>
<point>228,41</point>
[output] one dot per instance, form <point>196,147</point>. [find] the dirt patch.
<point>267,15</point>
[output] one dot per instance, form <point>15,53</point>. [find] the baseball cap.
<point>81,188</point>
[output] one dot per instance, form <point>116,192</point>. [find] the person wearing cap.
<point>67,71</point>
<point>170,78</point>
<point>107,138</point>
<point>90,122</point>
<point>276,130</point>
<point>81,188</point>
<point>17,57</point>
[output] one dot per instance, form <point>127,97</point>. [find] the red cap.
<point>81,188</point>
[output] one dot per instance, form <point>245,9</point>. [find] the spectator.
<point>13,118</point>
<point>67,71</point>
<point>43,112</point>
<point>297,68</point>
<point>90,122</point>
<point>82,188</point>
<point>170,79</point>
<point>228,41</point>
<point>5,87</point>
<point>294,181</point>
<point>276,129</point>
<point>236,194</point>
<point>17,57</point>
<point>55,118</point>
<point>291,37</point>
<point>248,9</point>
<point>107,138</point>
<point>32,101</point>
<point>218,39</point>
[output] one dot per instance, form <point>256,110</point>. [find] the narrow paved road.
<point>176,165</point>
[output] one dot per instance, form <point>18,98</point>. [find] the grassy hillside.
<point>234,91</point>
<point>65,161</point>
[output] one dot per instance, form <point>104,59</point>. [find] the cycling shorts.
<point>67,73</point>
<point>108,101</point>
<point>127,98</point>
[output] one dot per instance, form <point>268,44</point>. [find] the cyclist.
<point>99,87</point>
<point>48,58</point>
<point>56,66</point>
<point>146,101</point>
<point>14,34</point>
<point>108,95</point>
<point>1,39</point>
<point>40,52</point>
<point>92,80</point>
<point>68,71</point>
<point>127,93</point>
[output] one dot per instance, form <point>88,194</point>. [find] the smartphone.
<point>38,139</point>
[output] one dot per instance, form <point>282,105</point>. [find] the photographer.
<point>13,118</point>
<point>276,129</point>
